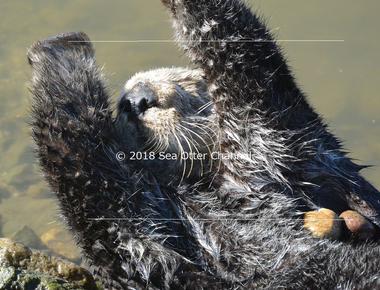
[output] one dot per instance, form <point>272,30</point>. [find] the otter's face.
<point>173,114</point>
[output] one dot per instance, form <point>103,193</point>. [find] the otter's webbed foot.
<point>325,223</point>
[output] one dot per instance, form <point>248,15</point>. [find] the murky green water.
<point>342,79</point>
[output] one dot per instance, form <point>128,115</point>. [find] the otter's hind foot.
<point>326,224</point>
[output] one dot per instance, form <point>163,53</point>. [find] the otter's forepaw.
<point>324,224</point>
<point>358,226</point>
<point>58,44</point>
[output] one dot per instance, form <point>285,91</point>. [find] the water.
<point>340,78</point>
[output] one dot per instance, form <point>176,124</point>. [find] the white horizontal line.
<point>232,41</point>
<point>219,219</point>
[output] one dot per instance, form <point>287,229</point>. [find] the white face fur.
<point>173,112</point>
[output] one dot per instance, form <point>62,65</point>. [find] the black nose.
<point>124,105</point>
<point>141,98</point>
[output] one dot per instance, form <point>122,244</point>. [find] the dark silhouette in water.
<point>239,227</point>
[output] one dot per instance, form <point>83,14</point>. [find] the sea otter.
<point>236,223</point>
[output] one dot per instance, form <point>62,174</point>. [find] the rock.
<point>5,190</point>
<point>7,274</point>
<point>1,226</point>
<point>13,253</point>
<point>38,190</point>
<point>324,223</point>
<point>22,268</point>
<point>29,238</point>
<point>60,241</point>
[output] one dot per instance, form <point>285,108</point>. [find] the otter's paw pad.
<point>358,225</point>
<point>324,223</point>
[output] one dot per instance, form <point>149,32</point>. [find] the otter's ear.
<point>55,45</point>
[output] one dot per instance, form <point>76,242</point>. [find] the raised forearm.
<point>236,51</point>
<point>70,112</point>
<point>112,207</point>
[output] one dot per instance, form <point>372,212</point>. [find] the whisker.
<point>201,127</point>
<point>196,148</point>
<point>153,145</point>
<point>219,163</point>
<point>204,107</point>
<point>191,153</point>
<point>181,151</point>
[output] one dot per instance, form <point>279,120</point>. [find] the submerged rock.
<point>5,190</point>
<point>29,238</point>
<point>60,242</point>
<point>22,268</point>
<point>1,226</point>
<point>38,190</point>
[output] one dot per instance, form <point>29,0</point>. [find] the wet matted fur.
<point>240,229</point>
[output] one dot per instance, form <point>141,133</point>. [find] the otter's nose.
<point>124,105</point>
<point>142,97</point>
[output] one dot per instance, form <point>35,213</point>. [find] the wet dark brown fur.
<point>243,231</point>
